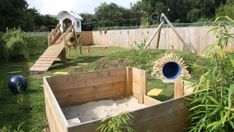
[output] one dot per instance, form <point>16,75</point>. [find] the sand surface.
<point>100,109</point>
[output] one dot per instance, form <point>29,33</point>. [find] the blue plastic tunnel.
<point>171,70</point>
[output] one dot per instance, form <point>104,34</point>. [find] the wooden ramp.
<point>57,42</point>
<point>47,58</point>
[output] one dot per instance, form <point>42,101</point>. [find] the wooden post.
<point>128,88</point>
<point>80,50</point>
<point>159,35</point>
<point>64,58</point>
<point>177,34</point>
<point>88,49</point>
<point>178,88</point>
<point>157,30</point>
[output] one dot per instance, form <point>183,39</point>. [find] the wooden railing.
<point>64,36</point>
<point>54,35</point>
<point>57,36</point>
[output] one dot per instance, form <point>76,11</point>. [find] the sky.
<point>53,7</point>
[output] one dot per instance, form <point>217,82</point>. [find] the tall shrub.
<point>212,107</point>
<point>18,43</point>
<point>14,44</point>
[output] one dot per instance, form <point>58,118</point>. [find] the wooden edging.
<point>55,109</point>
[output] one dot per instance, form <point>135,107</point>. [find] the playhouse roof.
<point>62,13</point>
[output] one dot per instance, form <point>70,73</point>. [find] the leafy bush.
<point>212,106</point>
<point>1,45</point>
<point>18,43</point>
<point>14,44</point>
<point>36,43</point>
<point>8,128</point>
<point>226,9</point>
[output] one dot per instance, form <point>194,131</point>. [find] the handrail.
<point>54,33</point>
<point>65,34</point>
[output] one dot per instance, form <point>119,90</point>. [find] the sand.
<point>100,109</point>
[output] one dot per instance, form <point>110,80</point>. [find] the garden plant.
<point>212,105</point>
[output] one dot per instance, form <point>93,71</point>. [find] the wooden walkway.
<point>47,58</point>
<point>57,42</point>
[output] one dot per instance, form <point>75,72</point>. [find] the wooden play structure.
<point>165,20</point>
<point>76,89</point>
<point>65,35</point>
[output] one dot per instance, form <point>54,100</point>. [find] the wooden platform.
<point>47,58</point>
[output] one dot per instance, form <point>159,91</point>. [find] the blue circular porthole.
<point>171,70</point>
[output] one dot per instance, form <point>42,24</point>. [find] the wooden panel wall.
<point>84,87</point>
<point>86,38</point>
<point>139,84</point>
<point>170,116</point>
<point>198,37</point>
<point>56,119</point>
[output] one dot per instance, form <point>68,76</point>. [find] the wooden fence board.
<point>54,113</point>
<point>198,37</point>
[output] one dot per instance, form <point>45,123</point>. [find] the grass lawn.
<point>34,119</point>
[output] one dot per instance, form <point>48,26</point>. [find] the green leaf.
<point>224,119</point>
<point>231,123</point>
<point>214,125</point>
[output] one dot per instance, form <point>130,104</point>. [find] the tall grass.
<point>120,123</point>
<point>17,43</point>
<point>212,106</point>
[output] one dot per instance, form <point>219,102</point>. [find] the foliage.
<point>16,14</point>
<point>140,58</point>
<point>36,42</point>
<point>119,123</point>
<point>15,44</point>
<point>226,9</point>
<point>212,106</point>
<point>1,45</point>
<point>21,101</point>
<point>1,86</point>
<point>139,14</point>
<point>11,112</point>
<point>8,128</point>
<point>145,22</point>
<point>109,15</point>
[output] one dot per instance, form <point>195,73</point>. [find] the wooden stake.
<point>178,88</point>
<point>177,34</point>
<point>88,49</point>
<point>159,35</point>
<point>157,30</point>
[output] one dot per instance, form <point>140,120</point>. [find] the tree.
<point>16,14</point>
<point>88,22</point>
<point>10,10</point>
<point>226,10</point>
<point>182,10</point>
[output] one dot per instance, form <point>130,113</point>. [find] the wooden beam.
<point>157,30</point>
<point>177,34</point>
<point>178,88</point>
<point>158,40</point>
<point>128,89</point>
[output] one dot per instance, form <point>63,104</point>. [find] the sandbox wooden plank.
<point>55,116</point>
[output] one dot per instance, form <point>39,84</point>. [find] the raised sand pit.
<point>100,109</point>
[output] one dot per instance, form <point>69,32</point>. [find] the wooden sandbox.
<point>76,89</point>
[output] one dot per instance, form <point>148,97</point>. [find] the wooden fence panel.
<point>198,37</point>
